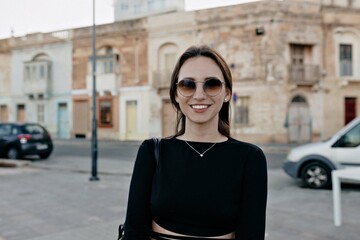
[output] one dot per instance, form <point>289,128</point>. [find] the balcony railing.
<point>36,87</point>
<point>162,79</point>
<point>304,74</point>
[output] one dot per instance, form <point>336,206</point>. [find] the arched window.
<point>298,99</point>
<point>38,68</point>
<point>167,56</point>
<point>41,57</point>
<point>107,60</point>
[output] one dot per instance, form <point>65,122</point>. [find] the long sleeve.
<point>252,218</point>
<point>138,216</point>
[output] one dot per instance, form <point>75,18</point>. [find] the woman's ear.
<point>227,95</point>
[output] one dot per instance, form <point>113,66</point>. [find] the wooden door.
<point>131,120</point>
<point>350,109</point>
<point>299,121</point>
<point>20,113</point>
<point>3,113</point>
<point>81,118</point>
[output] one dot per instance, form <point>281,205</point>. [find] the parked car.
<point>20,139</point>
<point>313,163</point>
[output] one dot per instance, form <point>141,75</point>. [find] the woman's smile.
<point>200,106</point>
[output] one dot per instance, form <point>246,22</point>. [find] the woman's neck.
<point>202,133</point>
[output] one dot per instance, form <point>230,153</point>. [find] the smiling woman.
<point>204,184</point>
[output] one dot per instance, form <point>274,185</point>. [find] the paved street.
<point>54,199</point>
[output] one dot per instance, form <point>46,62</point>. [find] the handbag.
<point>157,152</point>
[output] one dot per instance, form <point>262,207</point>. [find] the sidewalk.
<point>54,200</point>
<point>84,165</point>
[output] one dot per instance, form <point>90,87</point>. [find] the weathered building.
<point>341,60</point>
<point>40,74</point>
<point>5,80</point>
<point>282,55</point>
<point>121,81</point>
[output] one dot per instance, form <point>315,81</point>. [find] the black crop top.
<point>224,191</point>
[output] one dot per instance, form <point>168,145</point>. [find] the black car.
<point>20,139</point>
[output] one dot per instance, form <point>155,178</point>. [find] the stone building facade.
<point>341,60</point>
<point>282,55</point>
<point>121,81</point>
<point>5,80</point>
<point>39,70</point>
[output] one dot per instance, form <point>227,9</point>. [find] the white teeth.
<point>199,106</point>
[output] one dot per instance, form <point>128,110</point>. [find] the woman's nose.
<point>199,91</point>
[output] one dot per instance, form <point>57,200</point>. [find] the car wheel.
<point>44,155</point>
<point>316,175</point>
<point>13,153</point>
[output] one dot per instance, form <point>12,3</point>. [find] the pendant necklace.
<point>201,154</point>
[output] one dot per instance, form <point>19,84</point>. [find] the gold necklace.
<point>201,154</point>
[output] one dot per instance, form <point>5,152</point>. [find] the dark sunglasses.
<point>211,86</point>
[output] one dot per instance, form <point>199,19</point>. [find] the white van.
<point>313,163</point>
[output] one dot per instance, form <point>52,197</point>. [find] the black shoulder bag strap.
<point>157,150</point>
<point>121,232</point>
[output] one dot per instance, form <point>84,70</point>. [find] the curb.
<point>80,170</point>
<point>5,163</point>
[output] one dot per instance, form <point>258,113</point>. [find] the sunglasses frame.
<point>203,86</point>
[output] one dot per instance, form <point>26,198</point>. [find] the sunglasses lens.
<point>212,86</point>
<point>187,87</point>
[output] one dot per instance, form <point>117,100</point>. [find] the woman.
<point>206,184</point>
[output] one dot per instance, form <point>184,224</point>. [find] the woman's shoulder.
<point>252,151</point>
<point>243,144</point>
<point>148,143</point>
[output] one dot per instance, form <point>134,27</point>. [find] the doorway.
<point>350,109</point>
<point>299,121</point>
<point>63,121</point>
<point>131,120</point>
<point>81,115</point>
<point>20,113</point>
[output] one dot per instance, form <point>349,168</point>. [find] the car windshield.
<point>33,129</point>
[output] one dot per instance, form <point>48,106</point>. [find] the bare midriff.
<point>159,229</point>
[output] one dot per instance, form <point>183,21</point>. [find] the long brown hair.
<point>224,114</point>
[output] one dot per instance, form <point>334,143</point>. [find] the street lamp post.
<point>94,150</point>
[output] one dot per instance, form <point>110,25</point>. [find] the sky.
<point>20,17</point>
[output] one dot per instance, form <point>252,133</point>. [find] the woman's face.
<point>199,106</point>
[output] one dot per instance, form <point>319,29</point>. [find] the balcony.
<point>105,82</point>
<point>162,79</point>
<point>36,87</point>
<point>37,78</point>
<point>304,74</point>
